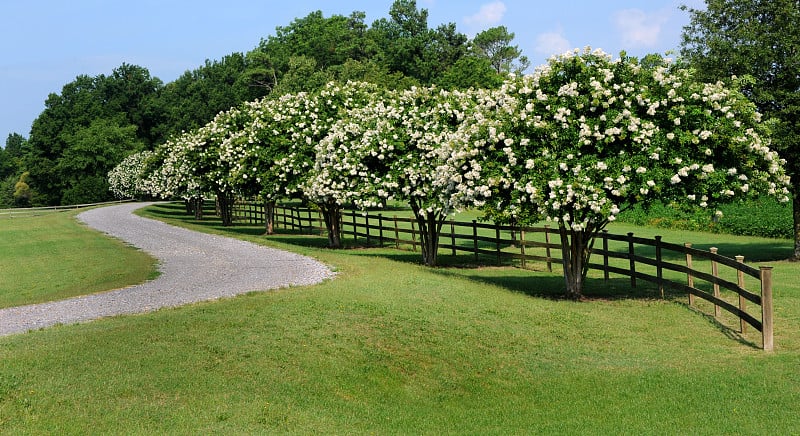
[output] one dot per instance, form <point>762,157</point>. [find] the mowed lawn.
<point>51,257</point>
<point>391,347</point>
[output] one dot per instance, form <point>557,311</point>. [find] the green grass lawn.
<point>50,257</point>
<point>391,347</point>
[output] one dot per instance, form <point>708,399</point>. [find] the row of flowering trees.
<point>576,142</point>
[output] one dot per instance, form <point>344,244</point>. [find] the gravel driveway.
<point>194,267</point>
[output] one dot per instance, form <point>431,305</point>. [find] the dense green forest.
<point>95,122</point>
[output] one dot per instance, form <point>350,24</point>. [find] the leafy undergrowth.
<point>764,217</point>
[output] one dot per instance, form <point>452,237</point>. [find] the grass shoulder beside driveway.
<point>51,256</point>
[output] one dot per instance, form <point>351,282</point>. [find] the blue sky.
<point>45,44</point>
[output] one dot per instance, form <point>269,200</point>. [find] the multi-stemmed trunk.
<point>225,201</point>
<point>430,226</point>
<point>576,248</point>
<point>194,206</point>
<point>332,214</point>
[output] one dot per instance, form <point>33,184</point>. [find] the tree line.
<point>95,122</point>
<point>583,138</point>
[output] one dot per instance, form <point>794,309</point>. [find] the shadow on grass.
<point>534,281</point>
<point>729,332</point>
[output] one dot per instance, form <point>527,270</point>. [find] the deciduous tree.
<point>592,135</point>
<point>758,41</point>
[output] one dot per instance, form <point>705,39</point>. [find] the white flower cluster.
<point>576,141</point>
<point>126,179</point>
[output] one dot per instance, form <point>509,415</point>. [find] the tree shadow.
<point>534,281</point>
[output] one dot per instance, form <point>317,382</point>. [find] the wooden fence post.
<point>547,241</point>
<point>355,227</point>
<point>689,276</point>
<point>380,229</point>
<point>453,236</point>
<point>522,245</point>
<point>340,229</point>
<point>605,254</point>
<point>742,300</point>
<point>413,237</point>
<point>366,225</point>
<point>632,261</point>
<point>766,307</point>
<point>396,234</point>
<point>659,268</point>
<point>497,243</point>
<point>475,238</point>
<point>715,273</point>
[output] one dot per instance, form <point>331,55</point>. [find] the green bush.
<point>764,217</point>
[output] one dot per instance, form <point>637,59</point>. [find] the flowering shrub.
<point>411,145</point>
<point>273,154</point>
<point>593,135</point>
<point>126,179</point>
<point>577,142</point>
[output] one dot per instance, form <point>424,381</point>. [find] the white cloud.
<point>637,28</point>
<point>489,14</point>
<point>552,43</point>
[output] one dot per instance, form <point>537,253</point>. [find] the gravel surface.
<point>194,267</point>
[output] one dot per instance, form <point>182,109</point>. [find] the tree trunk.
<point>225,205</point>
<point>430,227</point>
<point>332,214</point>
<point>576,248</point>
<point>796,215</point>
<point>197,207</point>
<point>269,216</point>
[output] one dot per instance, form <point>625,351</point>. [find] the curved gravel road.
<point>194,267</point>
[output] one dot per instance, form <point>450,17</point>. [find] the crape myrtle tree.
<point>277,146</point>
<point>191,165</point>
<point>126,179</point>
<point>214,162</point>
<point>272,136</point>
<point>169,173</point>
<point>414,145</point>
<point>594,135</point>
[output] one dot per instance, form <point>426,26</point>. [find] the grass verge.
<point>391,347</point>
<point>50,257</point>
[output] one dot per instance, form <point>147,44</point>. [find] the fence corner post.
<point>766,307</point>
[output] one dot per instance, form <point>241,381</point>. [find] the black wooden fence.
<point>722,284</point>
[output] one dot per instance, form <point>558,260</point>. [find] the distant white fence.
<point>33,211</point>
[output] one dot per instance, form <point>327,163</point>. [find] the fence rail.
<point>626,255</point>
<point>28,211</point>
